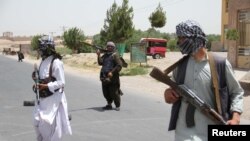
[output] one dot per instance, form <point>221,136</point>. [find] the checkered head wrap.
<point>195,37</point>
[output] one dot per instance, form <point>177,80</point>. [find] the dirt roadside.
<point>139,82</point>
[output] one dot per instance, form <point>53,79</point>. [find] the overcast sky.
<point>32,17</point>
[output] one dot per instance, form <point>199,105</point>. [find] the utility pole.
<point>64,28</point>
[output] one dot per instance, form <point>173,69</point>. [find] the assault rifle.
<point>189,96</point>
<point>34,88</point>
<point>95,46</point>
<point>36,78</point>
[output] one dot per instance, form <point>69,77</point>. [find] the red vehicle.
<point>155,47</point>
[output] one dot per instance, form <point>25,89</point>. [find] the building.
<point>224,22</point>
<point>8,34</point>
<point>236,15</point>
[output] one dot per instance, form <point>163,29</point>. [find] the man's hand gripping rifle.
<point>188,95</point>
<point>35,77</point>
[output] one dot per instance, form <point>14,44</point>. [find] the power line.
<point>163,2</point>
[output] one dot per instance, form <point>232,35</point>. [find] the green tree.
<point>158,17</point>
<point>73,38</point>
<point>35,42</point>
<point>211,38</point>
<point>135,38</point>
<point>118,25</point>
<point>97,40</point>
<point>166,36</point>
<point>172,45</point>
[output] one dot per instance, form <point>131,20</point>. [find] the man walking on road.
<point>20,56</point>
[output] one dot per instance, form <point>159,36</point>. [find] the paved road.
<point>142,117</point>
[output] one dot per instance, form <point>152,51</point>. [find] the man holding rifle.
<point>194,72</point>
<point>51,111</point>
<point>109,76</point>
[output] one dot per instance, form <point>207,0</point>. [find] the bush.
<point>63,50</point>
<point>232,34</point>
<point>172,45</point>
<point>134,69</point>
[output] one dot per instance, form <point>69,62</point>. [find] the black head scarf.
<point>195,37</point>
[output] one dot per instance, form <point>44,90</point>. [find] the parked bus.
<point>155,47</point>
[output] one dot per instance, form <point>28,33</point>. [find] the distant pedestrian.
<point>20,56</point>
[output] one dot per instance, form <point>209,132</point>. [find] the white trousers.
<point>49,132</point>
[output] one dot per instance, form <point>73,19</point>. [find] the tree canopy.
<point>118,25</point>
<point>35,42</point>
<point>73,38</point>
<point>158,17</point>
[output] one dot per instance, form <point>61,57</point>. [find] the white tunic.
<point>51,115</point>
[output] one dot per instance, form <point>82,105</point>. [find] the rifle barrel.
<point>95,46</point>
<point>37,81</point>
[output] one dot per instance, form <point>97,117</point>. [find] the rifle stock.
<point>188,95</point>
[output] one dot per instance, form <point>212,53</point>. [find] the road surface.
<point>142,117</point>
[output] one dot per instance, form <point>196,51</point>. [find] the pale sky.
<point>32,17</point>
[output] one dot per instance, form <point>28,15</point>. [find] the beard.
<point>45,53</point>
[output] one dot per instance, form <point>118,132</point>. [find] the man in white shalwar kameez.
<point>51,114</point>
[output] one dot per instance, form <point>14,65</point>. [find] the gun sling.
<point>215,82</point>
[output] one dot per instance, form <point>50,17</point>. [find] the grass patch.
<point>63,50</point>
<point>134,69</point>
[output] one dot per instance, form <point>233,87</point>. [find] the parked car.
<point>155,47</point>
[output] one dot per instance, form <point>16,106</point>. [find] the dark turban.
<point>195,37</point>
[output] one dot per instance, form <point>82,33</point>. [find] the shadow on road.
<point>99,109</point>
